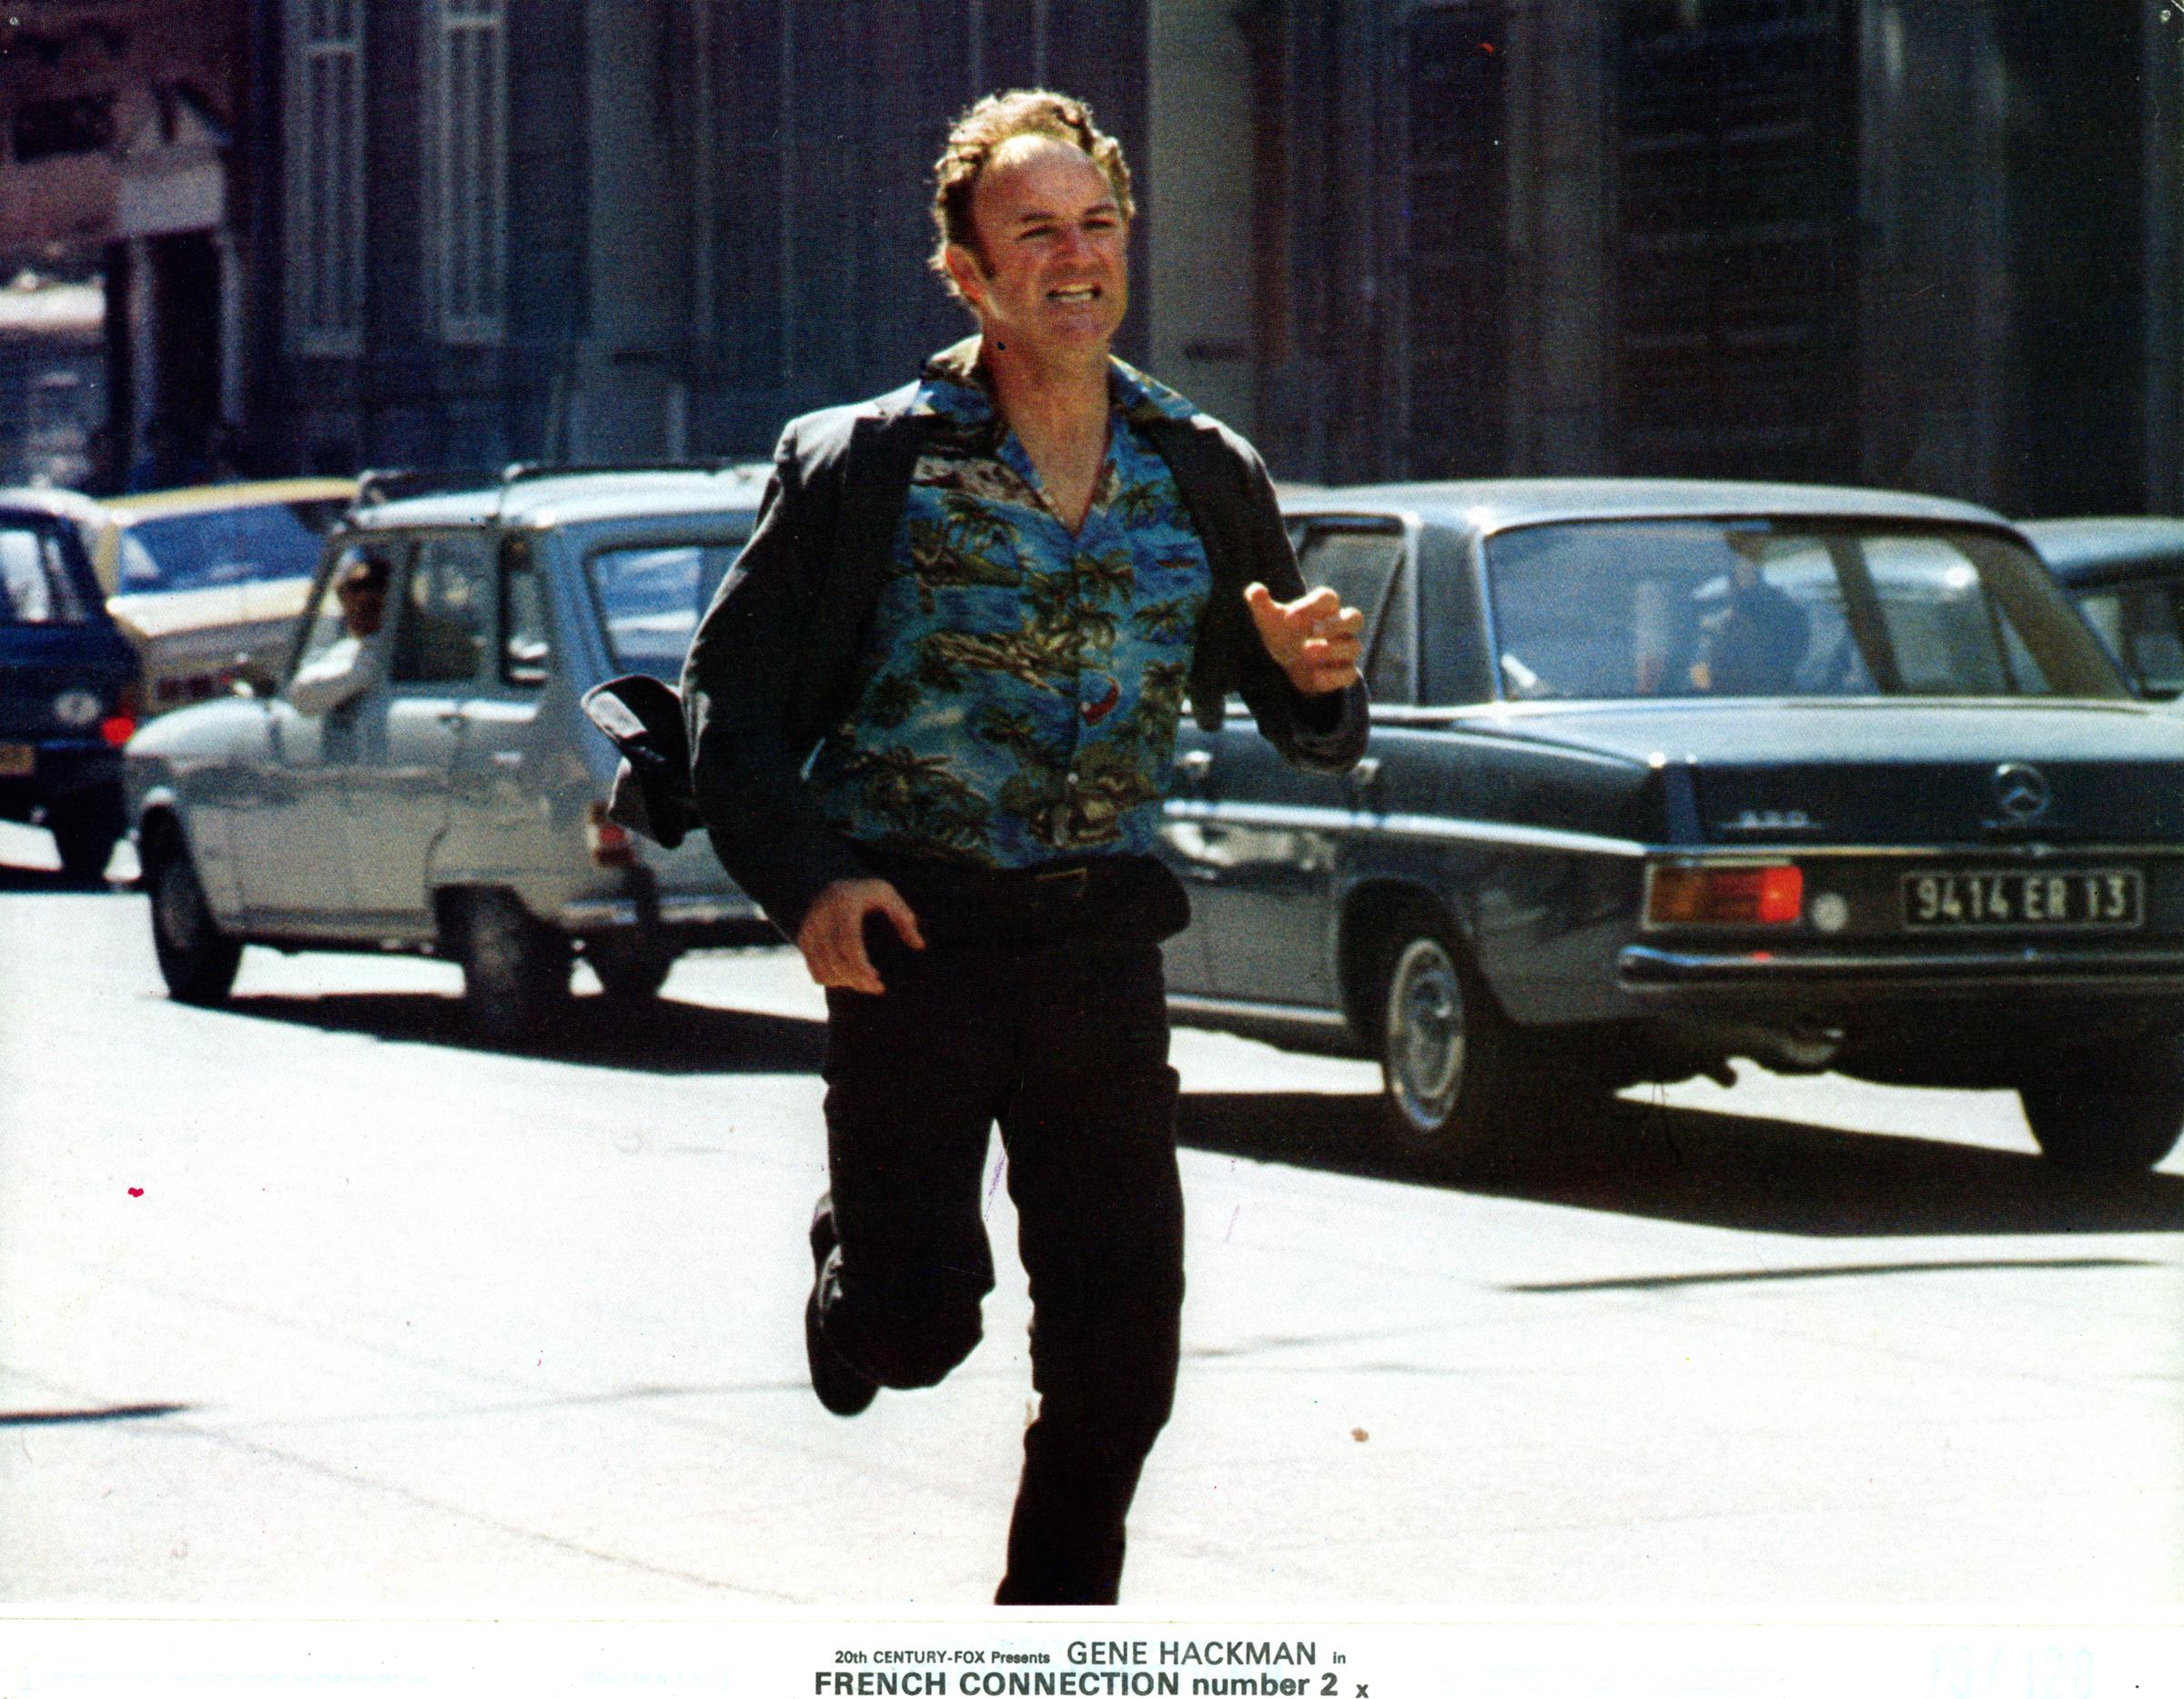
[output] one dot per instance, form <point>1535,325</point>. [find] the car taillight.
<point>611,843</point>
<point>120,725</point>
<point>1771,896</point>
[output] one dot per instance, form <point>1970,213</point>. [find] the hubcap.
<point>1425,1035</point>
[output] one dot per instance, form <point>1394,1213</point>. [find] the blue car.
<point>70,689</point>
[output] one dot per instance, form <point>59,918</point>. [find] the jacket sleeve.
<point>1317,733</point>
<point>739,697</point>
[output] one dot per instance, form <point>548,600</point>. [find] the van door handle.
<point>508,757</point>
<point>450,717</point>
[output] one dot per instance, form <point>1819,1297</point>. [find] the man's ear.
<point>969,275</point>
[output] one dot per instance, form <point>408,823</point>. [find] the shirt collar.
<point>953,386</point>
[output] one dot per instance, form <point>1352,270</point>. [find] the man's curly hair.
<point>980,131</point>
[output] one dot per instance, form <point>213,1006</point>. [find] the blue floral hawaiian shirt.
<point>1021,684</point>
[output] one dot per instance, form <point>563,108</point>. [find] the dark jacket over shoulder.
<point>776,659</point>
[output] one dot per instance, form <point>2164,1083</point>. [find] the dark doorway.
<point>1736,238</point>
<point>185,290</point>
<point>1456,215</point>
<point>2076,176</point>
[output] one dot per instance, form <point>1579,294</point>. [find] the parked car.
<point>2127,576</point>
<point>456,806</point>
<point>1664,774</point>
<point>69,690</point>
<point>204,579</point>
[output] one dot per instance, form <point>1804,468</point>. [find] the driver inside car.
<point>1754,646</point>
<point>351,661</point>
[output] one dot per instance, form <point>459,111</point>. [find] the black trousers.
<point>1065,1047</point>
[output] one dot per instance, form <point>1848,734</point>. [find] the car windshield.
<point>1782,608</point>
<point>35,585</point>
<point>649,597</point>
<point>226,546</point>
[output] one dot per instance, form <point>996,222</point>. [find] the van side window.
<point>35,587</point>
<point>446,612</point>
<point>323,623</point>
<point>526,645</point>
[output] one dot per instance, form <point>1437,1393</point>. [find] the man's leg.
<point>1092,1168</point>
<point>914,1079</point>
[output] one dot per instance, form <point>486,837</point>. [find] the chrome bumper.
<point>1643,968</point>
<point>602,913</point>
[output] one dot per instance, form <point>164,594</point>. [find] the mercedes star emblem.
<point>2022,792</point>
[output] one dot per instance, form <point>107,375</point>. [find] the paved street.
<point>310,1302</point>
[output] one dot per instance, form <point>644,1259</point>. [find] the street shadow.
<point>1709,1169</point>
<point>53,882</point>
<point>1335,1132</point>
<point>1704,1167</point>
<point>94,1414</point>
<point>666,1037</point>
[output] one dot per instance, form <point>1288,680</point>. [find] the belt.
<point>1049,879</point>
<point>1134,895</point>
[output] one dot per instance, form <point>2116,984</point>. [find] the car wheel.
<point>197,959</point>
<point>1452,1064</point>
<point>630,969</point>
<point>84,838</point>
<point>515,969</point>
<point>2121,1114</point>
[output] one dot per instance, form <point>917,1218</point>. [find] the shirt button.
<point>1070,781</point>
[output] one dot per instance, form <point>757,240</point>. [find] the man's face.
<point>1054,277</point>
<point>363,605</point>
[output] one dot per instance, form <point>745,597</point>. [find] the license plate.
<point>18,761</point>
<point>2066,896</point>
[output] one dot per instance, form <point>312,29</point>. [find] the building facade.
<point>1937,246</point>
<point>621,229</point>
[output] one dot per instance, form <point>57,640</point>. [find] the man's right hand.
<point>833,935</point>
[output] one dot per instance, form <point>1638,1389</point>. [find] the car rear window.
<point>235,545</point>
<point>649,597</point>
<point>37,587</point>
<point>1782,608</point>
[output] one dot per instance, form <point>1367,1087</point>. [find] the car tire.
<point>515,969</point>
<point>2121,1115</point>
<point>84,838</point>
<point>197,959</point>
<point>1461,1081</point>
<point>630,969</point>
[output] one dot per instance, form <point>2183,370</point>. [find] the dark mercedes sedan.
<point>1664,774</point>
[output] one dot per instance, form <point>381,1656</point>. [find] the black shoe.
<point>843,1387</point>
